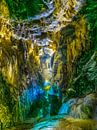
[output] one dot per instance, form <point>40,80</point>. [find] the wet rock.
<point>84,108</point>
<point>80,101</point>
<point>66,107</point>
<point>90,100</point>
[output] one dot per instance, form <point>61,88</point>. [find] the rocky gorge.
<point>53,47</point>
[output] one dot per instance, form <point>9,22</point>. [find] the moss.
<point>87,110</point>
<point>77,124</point>
<point>7,103</point>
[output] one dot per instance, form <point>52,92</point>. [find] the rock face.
<point>72,44</point>
<point>16,66</point>
<point>16,61</point>
<point>82,108</point>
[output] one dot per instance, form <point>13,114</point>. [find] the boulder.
<point>84,108</point>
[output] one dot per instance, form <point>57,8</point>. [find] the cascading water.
<point>30,95</point>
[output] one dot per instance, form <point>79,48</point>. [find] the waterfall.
<point>33,93</point>
<point>65,108</point>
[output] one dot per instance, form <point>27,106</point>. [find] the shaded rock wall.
<point>18,62</point>
<point>73,42</point>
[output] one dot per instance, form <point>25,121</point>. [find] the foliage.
<point>90,12</point>
<point>5,93</point>
<point>5,117</point>
<point>24,8</point>
<point>6,103</point>
<point>86,64</point>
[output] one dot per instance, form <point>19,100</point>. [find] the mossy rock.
<point>87,110</point>
<point>5,116</point>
